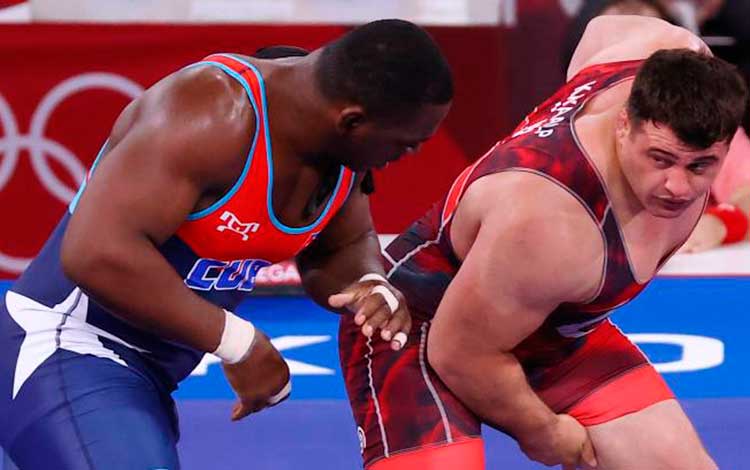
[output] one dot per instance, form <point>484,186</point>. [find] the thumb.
<point>588,455</point>
<point>236,411</point>
<point>351,295</point>
<point>342,299</point>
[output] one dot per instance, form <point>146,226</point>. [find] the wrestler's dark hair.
<point>701,98</point>
<point>277,52</point>
<point>387,67</point>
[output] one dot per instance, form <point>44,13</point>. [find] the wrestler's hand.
<point>260,380</point>
<point>376,304</point>
<point>708,234</point>
<point>565,443</point>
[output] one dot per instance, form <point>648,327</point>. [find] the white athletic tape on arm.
<point>281,395</point>
<point>388,296</point>
<point>373,277</point>
<point>236,340</point>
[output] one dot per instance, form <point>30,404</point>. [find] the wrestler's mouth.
<point>674,204</point>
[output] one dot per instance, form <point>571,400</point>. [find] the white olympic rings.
<point>40,147</point>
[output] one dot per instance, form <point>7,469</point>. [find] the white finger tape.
<point>388,296</point>
<point>281,395</point>
<point>400,338</point>
<point>372,277</point>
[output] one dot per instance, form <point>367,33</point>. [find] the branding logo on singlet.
<point>233,224</point>
<point>208,274</point>
<point>546,127</point>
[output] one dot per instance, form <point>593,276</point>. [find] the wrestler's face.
<point>375,142</point>
<point>665,174</point>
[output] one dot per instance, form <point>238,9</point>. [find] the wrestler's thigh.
<point>658,437</point>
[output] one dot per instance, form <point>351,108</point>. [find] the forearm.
<point>327,273</point>
<point>495,388</point>
<point>136,283</point>
<point>741,198</point>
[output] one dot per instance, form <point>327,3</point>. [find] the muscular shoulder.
<point>541,226</point>
<point>201,100</point>
<point>613,38</point>
<point>199,119</point>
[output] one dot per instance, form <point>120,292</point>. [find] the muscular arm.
<point>347,249</point>
<point>612,38</point>
<point>183,140</point>
<point>530,247</point>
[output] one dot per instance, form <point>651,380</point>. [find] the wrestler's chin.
<point>667,210</point>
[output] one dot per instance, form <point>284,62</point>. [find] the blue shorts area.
<point>81,412</point>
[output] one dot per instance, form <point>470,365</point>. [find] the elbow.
<point>445,360</point>
<point>81,260</point>
<point>72,256</point>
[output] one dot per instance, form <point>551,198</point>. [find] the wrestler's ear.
<point>350,118</point>
<point>623,124</point>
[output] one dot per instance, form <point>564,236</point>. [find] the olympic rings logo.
<point>40,147</point>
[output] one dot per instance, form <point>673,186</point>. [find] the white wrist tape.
<point>388,296</point>
<point>236,340</point>
<point>372,277</point>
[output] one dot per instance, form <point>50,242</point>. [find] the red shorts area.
<point>400,404</point>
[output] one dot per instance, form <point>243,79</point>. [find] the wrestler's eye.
<point>699,168</point>
<point>660,161</point>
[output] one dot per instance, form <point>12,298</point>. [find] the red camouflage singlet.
<point>421,262</point>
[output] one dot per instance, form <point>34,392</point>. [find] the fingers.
<point>588,455</point>
<point>377,306</point>
<point>282,395</point>
<point>372,314</point>
<point>240,410</point>
<point>388,296</point>
<point>342,299</point>
<point>396,329</point>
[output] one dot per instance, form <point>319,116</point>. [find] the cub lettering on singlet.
<point>208,274</point>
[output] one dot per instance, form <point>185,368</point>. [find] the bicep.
<point>157,170</point>
<point>528,256</point>
<point>495,300</point>
<point>140,169</point>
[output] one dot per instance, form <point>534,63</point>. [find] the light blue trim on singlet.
<point>74,202</point>
<point>351,185</point>
<point>269,156</point>
<point>236,186</point>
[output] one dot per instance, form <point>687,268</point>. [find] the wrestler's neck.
<point>598,135</point>
<point>298,114</point>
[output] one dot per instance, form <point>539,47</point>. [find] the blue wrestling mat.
<point>695,330</point>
